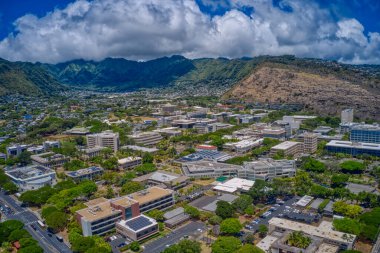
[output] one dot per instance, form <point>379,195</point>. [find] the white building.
<point>146,138</point>
<point>347,116</point>
<point>234,185</point>
<point>267,169</point>
<point>106,139</point>
<point>288,148</point>
<point>243,146</point>
<point>85,174</point>
<point>137,228</point>
<point>32,177</point>
<point>129,162</point>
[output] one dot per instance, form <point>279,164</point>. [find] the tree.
<point>147,158</point>
<point>145,168</point>
<point>156,214</point>
<point>226,244</point>
<point>352,167</point>
<point>192,211</point>
<point>242,203</point>
<point>249,248</point>
<point>314,165</point>
<point>10,187</point>
<point>224,209</point>
<point>345,209</point>
<point>230,226</point>
<point>46,211</point>
<point>249,210</point>
<point>338,180</point>
<point>298,239</point>
<point>215,220</point>
<point>81,244</point>
<point>31,249</point>
<point>131,187</point>
<point>319,191</point>
<point>57,220</point>
<point>187,246</point>
<point>263,230</point>
<point>347,225</point>
<point>17,234</point>
<point>24,158</point>
<point>135,246</point>
<point>110,163</point>
<point>25,242</point>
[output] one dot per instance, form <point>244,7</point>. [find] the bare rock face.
<point>323,94</point>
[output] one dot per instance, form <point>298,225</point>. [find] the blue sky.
<point>62,30</point>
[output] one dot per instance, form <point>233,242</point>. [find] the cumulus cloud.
<point>148,29</point>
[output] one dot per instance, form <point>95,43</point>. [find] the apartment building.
<point>31,177</point>
<point>310,143</point>
<point>129,162</point>
<point>146,138</point>
<point>106,139</point>
<point>365,133</point>
<point>267,169</point>
<point>289,148</point>
<point>85,174</point>
<point>49,159</point>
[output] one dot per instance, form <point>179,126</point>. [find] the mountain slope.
<point>27,79</point>
<point>323,88</point>
<point>120,74</point>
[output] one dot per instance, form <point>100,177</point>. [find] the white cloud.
<point>149,29</point>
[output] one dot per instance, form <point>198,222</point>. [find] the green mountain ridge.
<point>27,79</point>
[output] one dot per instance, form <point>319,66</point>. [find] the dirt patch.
<point>363,247</point>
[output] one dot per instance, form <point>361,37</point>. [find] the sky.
<point>54,31</point>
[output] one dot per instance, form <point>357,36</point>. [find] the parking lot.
<point>191,230</point>
<point>277,211</point>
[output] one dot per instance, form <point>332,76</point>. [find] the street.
<point>189,230</point>
<point>49,244</point>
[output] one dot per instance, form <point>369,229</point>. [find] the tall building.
<point>347,116</point>
<point>106,139</point>
<point>288,148</point>
<point>365,133</point>
<point>310,142</point>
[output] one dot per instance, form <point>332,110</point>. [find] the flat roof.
<point>86,171</point>
<point>140,148</point>
<point>128,159</point>
<point>350,144</point>
<point>138,223</point>
<point>235,184</point>
<point>304,201</point>
<point>209,165</point>
<point>162,176</point>
<point>98,211</point>
<point>320,231</point>
<point>266,242</point>
<point>29,172</point>
<point>327,248</point>
<point>286,145</point>
<point>150,194</point>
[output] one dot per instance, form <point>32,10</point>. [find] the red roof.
<point>207,147</point>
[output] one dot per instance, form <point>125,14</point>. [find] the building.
<point>168,131</point>
<point>106,139</point>
<point>304,201</point>
<point>85,174</point>
<point>310,143</point>
<point>234,185</point>
<point>365,133</point>
<point>153,198</point>
<point>204,154</point>
<point>32,177</point>
<point>168,108</point>
<point>206,147</point>
<point>50,159</point>
<point>81,131</point>
<point>353,148</point>
<point>163,178</point>
<point>129,162</point>
<point>140,149</point>
<point>322,236</point>
<point>137,228</point>
<point>217,126</point>
<point>183,123</point>
<point>357,188</point>
<point>347,116</point>
<point>288,148</point>
<point>243,146</point>
<point>176,217</point>
<point>16,150</point>
<point>101,215</point>
<point>88,153</point>
<point>146,138</point>
<point>209,169</point>
<point>51,144</point>
<point>267,169</point>
<point>275,133</point>
<point>323,130</point>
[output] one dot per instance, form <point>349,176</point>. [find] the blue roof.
<point>203,154</point>
<point>138,223</point>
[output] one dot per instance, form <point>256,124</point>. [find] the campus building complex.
<point>353,148</point>
<point>365,133</point>
<point>31,177</point>
<point>146,138</point>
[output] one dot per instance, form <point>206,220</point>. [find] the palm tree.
<point>299,240</point>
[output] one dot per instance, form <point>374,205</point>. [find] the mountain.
<point>324,87</point>
<point>27,79</point>
<point>119,74</point>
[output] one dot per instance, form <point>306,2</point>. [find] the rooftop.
<point>350,144</point>
<point>97,209</point>
<point>150,194</point>
<point>86,171</point>
<point>357,188</point>
<point>138,223</point>
<point>29,172</point>
<point>322,231</point>
<point>285,145</point>
<point>234,185</point>
<point>139,148</point>
<point>210,166</point>
<point>129,159</point>
<point>304,201</point>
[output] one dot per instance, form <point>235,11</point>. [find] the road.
<point>175,236</point>
<point>376,247</point>
<point>49,244</point>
